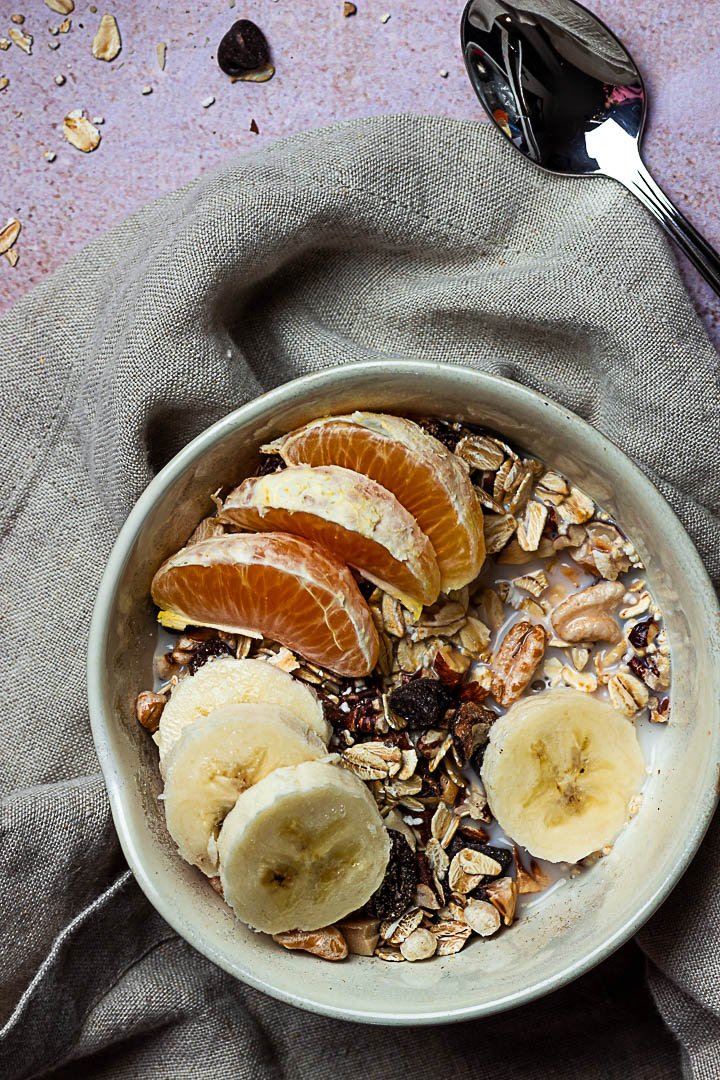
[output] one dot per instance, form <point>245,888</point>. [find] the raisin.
<point>269,463</point>
<point>638,636</point>
<point>471,729</point>
<point>397,890</point>
<point>243,48</point>
<point>421,703</point>
<point>205,651</point>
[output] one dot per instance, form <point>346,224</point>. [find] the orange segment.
<point>275,585</point>
<point>359,521</point>
<point>429,481</point>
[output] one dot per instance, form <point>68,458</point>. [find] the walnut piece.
<point>327,943</point>
<point>516,660</point>
<point>587,615</point>
<point>148,709</point>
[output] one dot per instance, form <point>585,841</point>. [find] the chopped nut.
<point>327,943</point>
<point>474,805</point>
<point>64,26</point>
<point>21,39</point>
<point>660,712</point>
<point>9,235</point>
<point>627,693</point>
<point>516,660</point>
<point>576,508</point>
<point>530,528</point>
<point>637,605</point>
<point>601,551</point>
<point>532,881</point>
<point>580,656</point>
<point>502,894</point>
<point>420,945</point>
<point>148,709</point>
<point>587,615</point>
<point>106,43</point>
<point>483,918</point>
<point>349,9</point>
<point>580,680</point>
<point>81,134</point>
<point>12,257</point>
<point>361,935</point>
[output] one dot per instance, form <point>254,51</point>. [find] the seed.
<point>420,945</point>
<point>482,917</point>
<point>243,48</point>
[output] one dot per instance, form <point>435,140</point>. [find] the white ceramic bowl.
<point>575,927</point>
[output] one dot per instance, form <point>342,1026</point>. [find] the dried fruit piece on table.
<point>397,890</point>
<point>588,615</point>
<point>328,943</point>
<point>21,39</point>
<point>358,520</point>
<point>106,43</point>
<point>243,48</point>
<point>9,235</point>
<point>276,585</point>
<point>515,662</point>
<point>80,132</point>
<point>429,481</point>
<point>422,703</point>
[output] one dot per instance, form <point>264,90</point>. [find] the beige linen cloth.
<point>394,236</point>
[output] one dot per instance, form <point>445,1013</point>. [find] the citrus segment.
<point>354,517</point>
<point>275,585</point>
<point>429,481</point>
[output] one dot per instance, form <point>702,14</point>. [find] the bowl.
<point>574,927</point>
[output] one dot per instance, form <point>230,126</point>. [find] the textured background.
<point>328,68</point>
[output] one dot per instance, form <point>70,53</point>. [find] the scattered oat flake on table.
<point>19,19</point>
<point>49,155</point>
<point>349,9</point>
<point>443,73</point>
<point>12,257</point>
<point>22,40</point>
<point>4,82</point>
<point>9,235</point>
<point>80,132</point>
<point>62,7</point>
<point>65,26</point>
<point>161,52</point>
<point>385,18</point>
<point>106,43</point>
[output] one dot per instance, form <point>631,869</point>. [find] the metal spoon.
<point>567,94</point>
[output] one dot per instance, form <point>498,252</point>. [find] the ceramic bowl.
<point>576,926</point>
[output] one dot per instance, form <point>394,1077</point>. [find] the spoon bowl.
<point>566,93</point>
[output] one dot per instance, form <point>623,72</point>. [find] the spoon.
<point>567,94</point>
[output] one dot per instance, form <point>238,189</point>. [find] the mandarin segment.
<point>429,481</point>
<point>354,517</point>
<point>277,586</point>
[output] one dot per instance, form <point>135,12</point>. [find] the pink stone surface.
<point>329,68</point>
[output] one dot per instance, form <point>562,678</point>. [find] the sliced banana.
<point>560,771</point>
<point>217,758</point>
<point>302,848</point>
<point>226,681</point>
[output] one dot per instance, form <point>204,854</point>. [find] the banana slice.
<point>226,681</point>
<point>217,758</point>
<point>560,771</point>
<point>302,848</point>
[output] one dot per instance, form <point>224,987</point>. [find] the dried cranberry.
<point>421,703</point>
<point>243,48</point>
<point>638,636</point>
<point>397,890</point>
<point>551,529</point>
<point>205,651</point>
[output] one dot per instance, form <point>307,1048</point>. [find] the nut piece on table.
<point>327,943</point>
<point>516,660</point>
<point>361,935</point>
<point>587,615</point>
<point>148,709</point>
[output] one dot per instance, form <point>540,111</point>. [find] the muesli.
<point>409,669</point>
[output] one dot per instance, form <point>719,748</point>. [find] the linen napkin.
<point>402,236</point>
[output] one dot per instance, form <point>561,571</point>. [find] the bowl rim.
<point>99,627</point>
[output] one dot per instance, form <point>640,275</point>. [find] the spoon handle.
<point>704,257</point>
